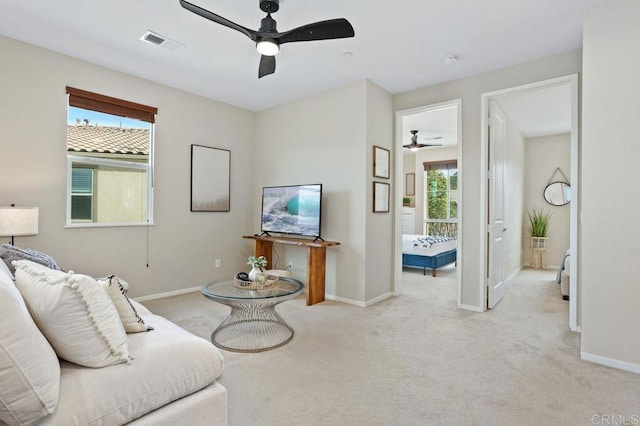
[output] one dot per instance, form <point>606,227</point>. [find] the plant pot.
<point>253,273</point>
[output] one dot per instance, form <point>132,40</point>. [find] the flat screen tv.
<point>292,209</point>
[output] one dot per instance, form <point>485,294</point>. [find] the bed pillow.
<point>74,313</point>
<point>117,290</point>
<point>29,368</point>
<point>9,253</point>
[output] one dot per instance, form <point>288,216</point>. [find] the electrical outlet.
<point>290,266</point>
<point>218,263</point>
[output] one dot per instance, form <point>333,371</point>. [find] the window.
<point>81,194</point>
<point>441,195</point>
<point>109,161</point>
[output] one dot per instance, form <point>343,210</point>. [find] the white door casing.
<point>573,81</point>
<point>496,226</point>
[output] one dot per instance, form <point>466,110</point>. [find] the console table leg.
<point>264,248</point>
<point>316,261</point>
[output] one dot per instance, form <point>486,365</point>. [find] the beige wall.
<point>610,175</point>
<point>379,230</point>
<point>470,90</point>
<point>328,138</point>
<point>543,155</point>
<point>182,246</point>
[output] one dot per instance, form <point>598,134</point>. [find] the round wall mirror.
<point>557,193</point>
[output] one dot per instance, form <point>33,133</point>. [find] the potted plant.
<point>406,201</point>
<point>257,266</point>
<point>539,227</point>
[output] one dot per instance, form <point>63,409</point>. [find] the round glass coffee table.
<point>253,324</point>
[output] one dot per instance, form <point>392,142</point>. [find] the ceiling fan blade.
<point>267,66</point>
<point>323,30</point>
<point>218,19</point>
<point>420,145</point>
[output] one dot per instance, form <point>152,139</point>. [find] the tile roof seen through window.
<point>108,140</point>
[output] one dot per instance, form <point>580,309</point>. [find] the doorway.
<point>439,126</point>
<point>494,262</point>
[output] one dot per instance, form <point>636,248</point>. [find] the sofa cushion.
<point>9,253</point>
<point>170,364</point>
<point>132,322</point>
<point>74,313</point>
<point>29,368</point>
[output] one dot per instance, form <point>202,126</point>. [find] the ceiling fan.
<point>414,145</point>
<point>267,37</point>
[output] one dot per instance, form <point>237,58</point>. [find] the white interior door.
<point>496,226</point>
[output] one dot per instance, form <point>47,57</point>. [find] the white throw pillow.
<point>132,322</point>
<point>29,368</point>
<point>74,313</point>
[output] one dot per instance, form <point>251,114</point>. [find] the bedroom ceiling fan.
<point>267,37</point>
<point>414,145</point>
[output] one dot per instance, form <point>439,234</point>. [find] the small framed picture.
<point>381,161</point>
<point>380,197</point>
<point>410,184</point>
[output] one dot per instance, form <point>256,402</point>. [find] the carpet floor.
<point>418,360</point>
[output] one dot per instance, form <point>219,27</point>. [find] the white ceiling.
<point>399,45</point>
<point>438,123</point>
<point>540,112</point>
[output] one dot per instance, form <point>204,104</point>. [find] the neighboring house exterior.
<point>109,192</point>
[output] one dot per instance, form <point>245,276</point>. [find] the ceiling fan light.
<point>267,47</point>
<point>414,148</point>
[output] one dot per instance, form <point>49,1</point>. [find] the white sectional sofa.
<point>171,379</point>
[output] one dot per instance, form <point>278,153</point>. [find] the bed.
<point>428,252</point>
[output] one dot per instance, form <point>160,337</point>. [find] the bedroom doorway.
<point>428,188</point>
<point>544,116</point>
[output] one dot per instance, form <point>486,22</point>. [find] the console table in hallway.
<point>316,260</point>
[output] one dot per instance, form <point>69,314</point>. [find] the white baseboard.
<point>510,277</point>
<point>345,300</point>
<point>469,308</point>
<point>378,299</point>
<point>167,294</point>
<point>609,362</point>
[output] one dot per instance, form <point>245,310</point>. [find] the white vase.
<point>254,271</point>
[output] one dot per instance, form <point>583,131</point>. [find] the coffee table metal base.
<point>251,327</point>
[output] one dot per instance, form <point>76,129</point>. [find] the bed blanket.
<point>427,241</point>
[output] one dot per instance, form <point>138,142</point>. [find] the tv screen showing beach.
<point>292,209</point>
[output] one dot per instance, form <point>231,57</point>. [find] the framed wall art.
<point>381,162</point>
<point>410,184</point>
<point>210,179</point>
<point>380,197</point>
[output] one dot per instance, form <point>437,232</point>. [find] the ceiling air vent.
<point>160,40</point>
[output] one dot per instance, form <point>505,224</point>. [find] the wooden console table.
<point>316,260</point>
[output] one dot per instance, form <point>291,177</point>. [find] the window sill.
<point>106,225</point>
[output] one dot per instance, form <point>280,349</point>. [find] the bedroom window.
<point>109,161</point>
<point>441,195</point>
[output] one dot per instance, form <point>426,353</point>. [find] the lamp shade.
<point>16,221</point>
